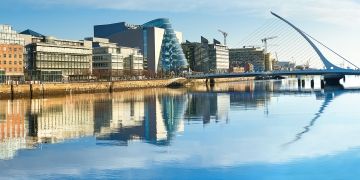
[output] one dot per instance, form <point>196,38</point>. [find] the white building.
<point>111,61</point>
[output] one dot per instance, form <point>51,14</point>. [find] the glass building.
<point>171,54</point>
<point>52,59</point>
<point>205,57</point>
<point>158,41</point>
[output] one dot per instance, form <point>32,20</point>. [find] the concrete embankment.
<point>56,89</point>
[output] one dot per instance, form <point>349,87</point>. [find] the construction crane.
<point>225,34</point>
<point>265,42</point>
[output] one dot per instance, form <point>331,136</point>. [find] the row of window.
<point>10,49</point>
<point>63,57</point>
<point>15,56</point>
<point>13,69</point>
<point>11,62</point>
<point>44,64</point>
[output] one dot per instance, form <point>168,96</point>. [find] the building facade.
<point>51,59</point>
<point>239,57</point>
<point>205,57</point>
<point>113,62</point>
<point>11,54</point>
<point>157,40</point>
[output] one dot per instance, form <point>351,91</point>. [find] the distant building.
<point>157,40</point>
<point>255,56</point>
<point>11,54</point>
<point>205,57</point>
<point>111,61</point>
<point>268,62</point>
<point>284,65</point>
<point>51,59</point>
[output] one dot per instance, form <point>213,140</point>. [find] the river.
<point>240,130</point>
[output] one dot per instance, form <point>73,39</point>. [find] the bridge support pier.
<point>303,83</point>
<point>322,84</point>
<point>333,79</point>
<point>312,83</point>
<point>212,81</point>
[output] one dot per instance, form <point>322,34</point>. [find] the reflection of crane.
<point>225,34</point>
<point>265,42</point>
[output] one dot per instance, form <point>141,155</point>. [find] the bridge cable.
<point>331,50</point>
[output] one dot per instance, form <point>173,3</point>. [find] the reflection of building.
<point>12,128</point>
<point>207,107</point>
<point>205,57</point>
<point>241,56</point>
<point>153,119</point>
<point>51,59</point>
<point>56,120</point>
<point>157,40</point>
<point>11,54</point>
<point>110,60</point>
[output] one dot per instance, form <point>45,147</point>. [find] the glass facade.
<point>172,58</point>
<point>71,58</point>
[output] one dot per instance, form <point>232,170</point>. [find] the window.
<point>4,62</point>
<point>14,55</point>
<point>15,49</point>
<point>4,55</point>
<point>15,62</point>
<point>9,55</point>
<point>20,62</point>
<point>20,56</point>
<point>10,62</point>
<point>10,69</point>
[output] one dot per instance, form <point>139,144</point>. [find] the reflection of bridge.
<point>329,96</point>
<point>332,73</point>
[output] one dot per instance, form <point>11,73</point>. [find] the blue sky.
<point>336,23</point>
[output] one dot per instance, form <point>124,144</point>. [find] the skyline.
<point>325,20</point>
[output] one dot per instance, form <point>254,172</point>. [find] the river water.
<point>239,130</point>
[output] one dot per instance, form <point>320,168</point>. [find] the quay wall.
<point>8,91</point>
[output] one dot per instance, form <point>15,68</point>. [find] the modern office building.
<point>205,57</point>
<point>157,40</point>
<point>114,62</point>
<point>52,59</point>
<point>239,57</point>
<point>11,54</point>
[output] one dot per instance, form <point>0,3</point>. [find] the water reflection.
<point>153,116</point>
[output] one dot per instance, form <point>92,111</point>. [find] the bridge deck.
<point>276,73</point>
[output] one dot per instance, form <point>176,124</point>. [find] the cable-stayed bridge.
<point>310,51</point>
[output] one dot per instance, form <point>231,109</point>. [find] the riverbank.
<point>59,89</point>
